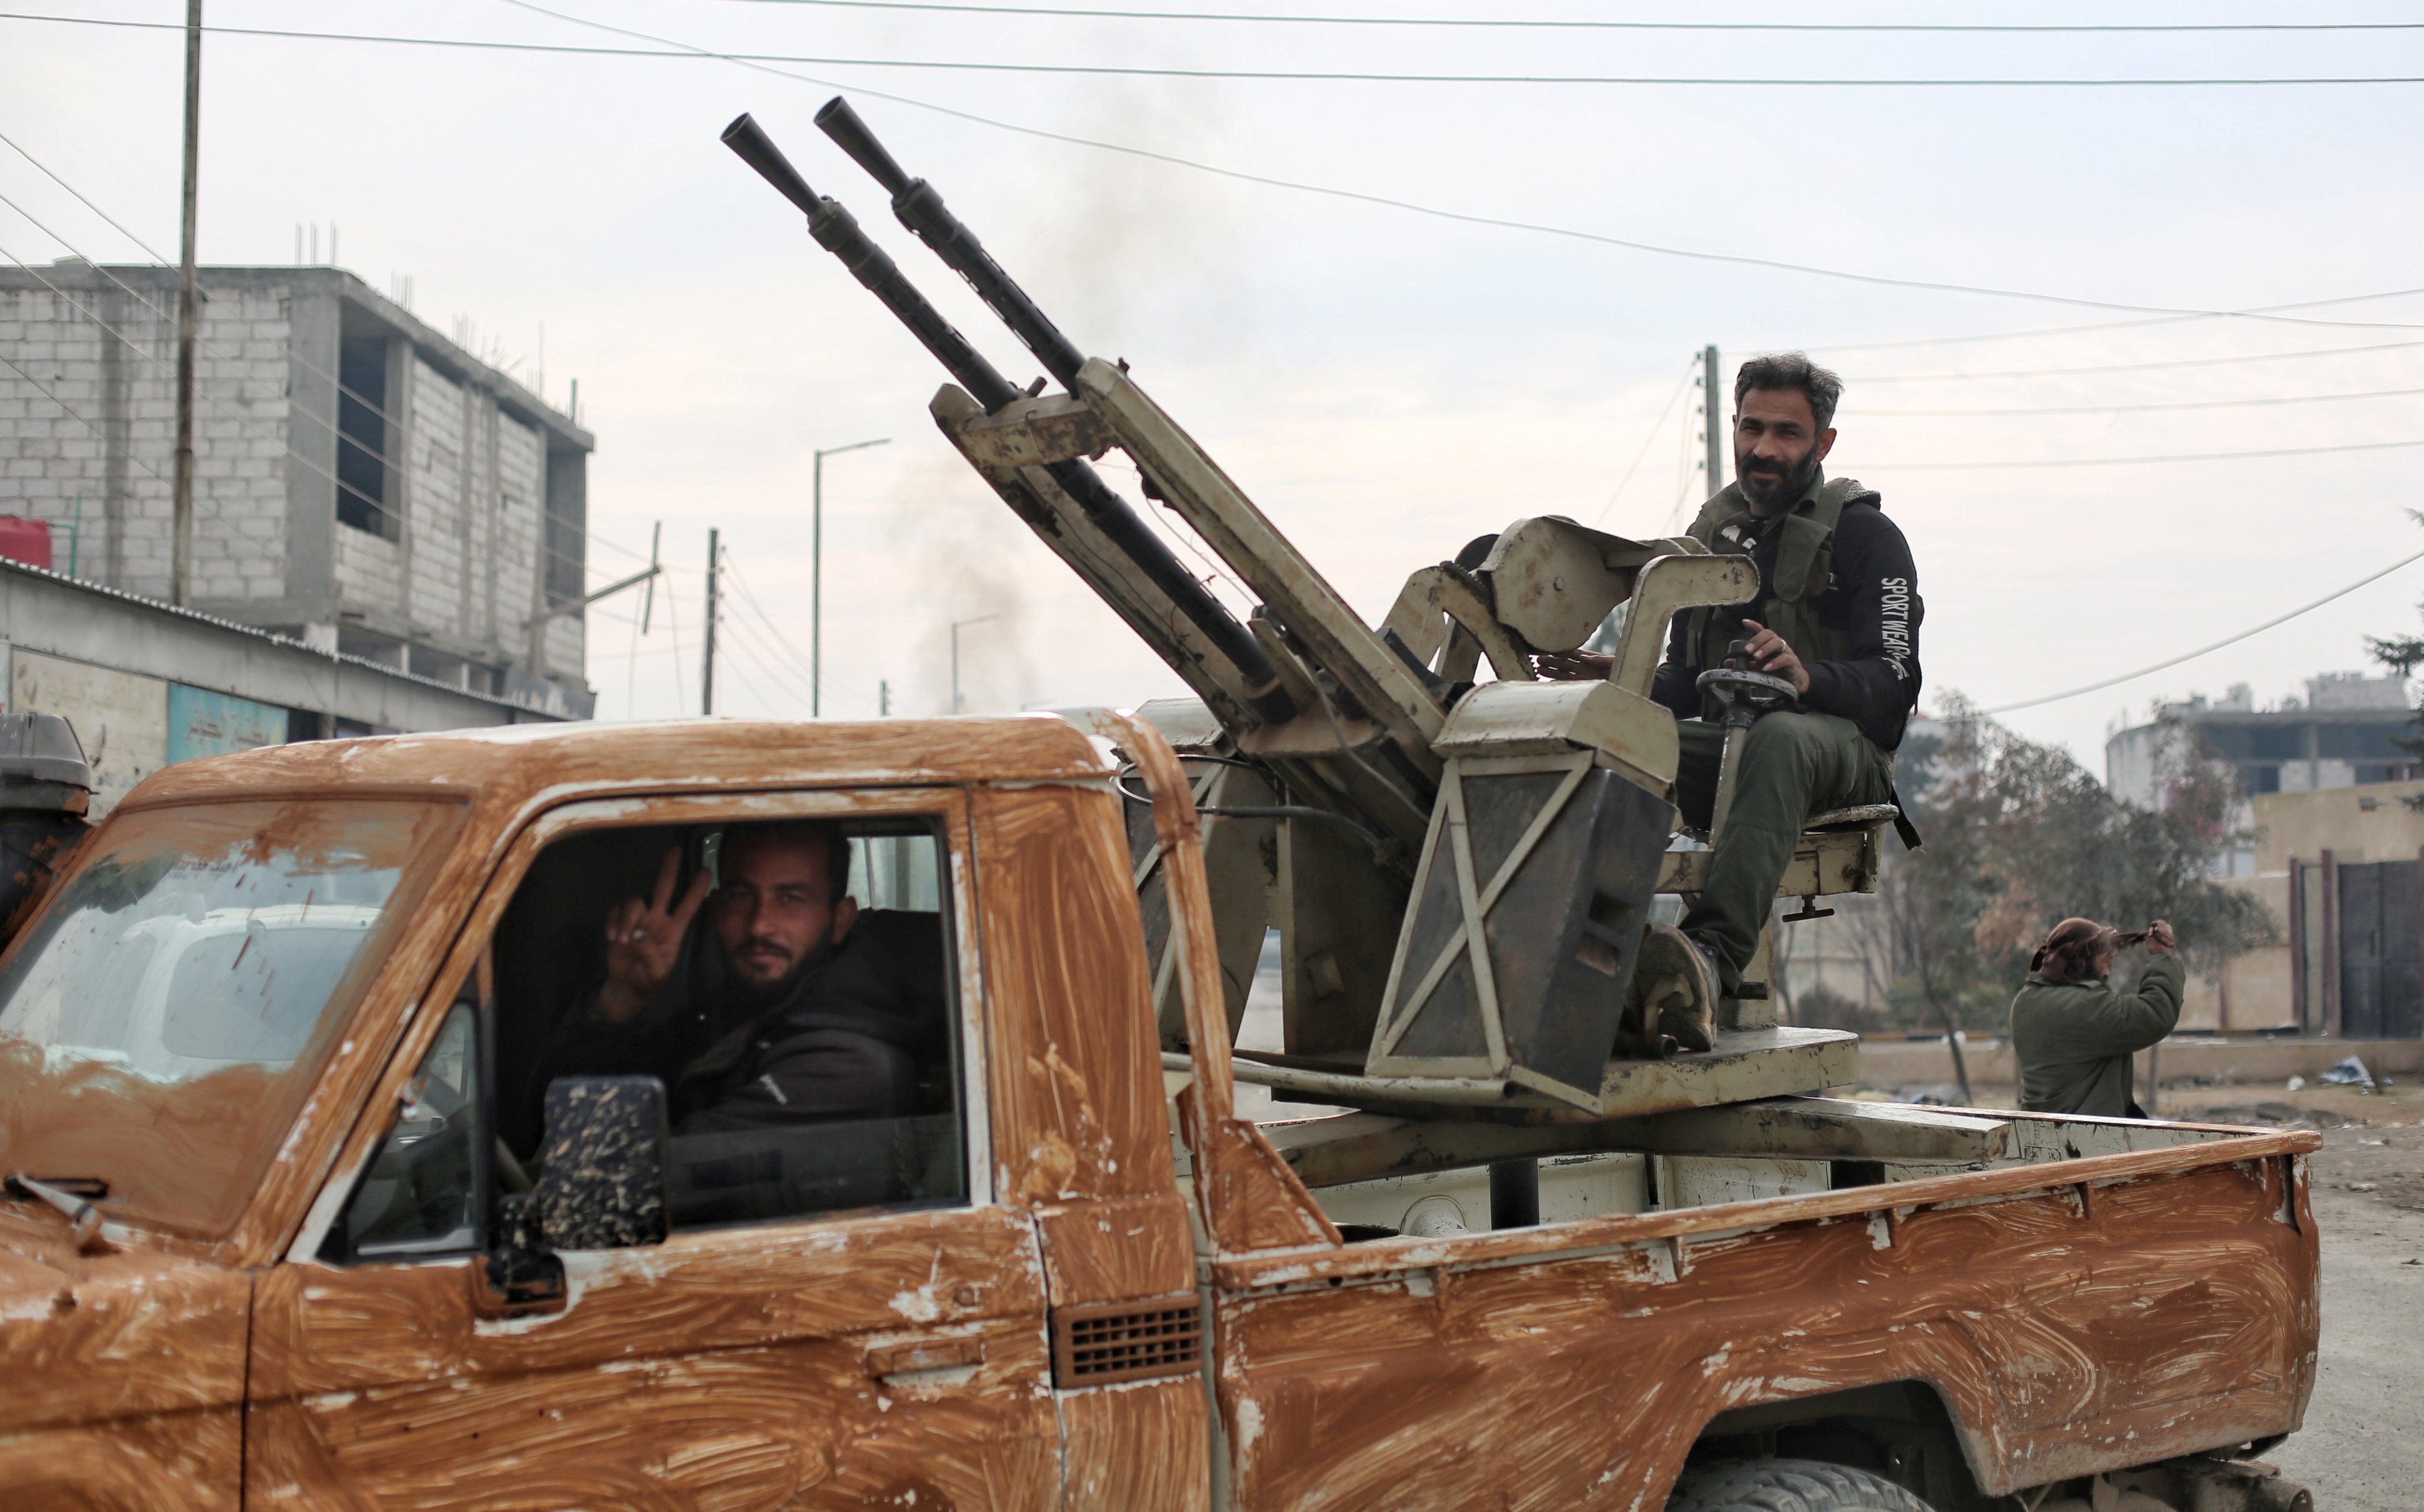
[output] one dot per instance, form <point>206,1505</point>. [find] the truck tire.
<point>1788,1485</point>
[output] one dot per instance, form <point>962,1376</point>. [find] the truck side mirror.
<point>602,1180</point>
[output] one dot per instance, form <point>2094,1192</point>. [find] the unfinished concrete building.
<point>362,483</point>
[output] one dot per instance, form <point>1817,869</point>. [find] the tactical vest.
<point>1805,562</point>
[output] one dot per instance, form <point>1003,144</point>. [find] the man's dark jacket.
<point>1868,599</point>
<point>848,1038</point>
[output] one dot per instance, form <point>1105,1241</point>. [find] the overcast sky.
<point>1384,383</point>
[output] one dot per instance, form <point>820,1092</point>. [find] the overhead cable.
<point>797,659</point>
<point>71,188</point>
<point>1812,81</point>
<point>73,414</point>
<point>1548,25</point>
<point>157,360</point>
<point>293,351</point>
<point>1461,218</point>
<point>2127,461</point>
<point>761,63</point>
<point>2190,655</point>
<point>2091,327</point>
<point>1655,426</point>
<point>2135,366</point>
<point>146,302</point>
<point>2138,409</point>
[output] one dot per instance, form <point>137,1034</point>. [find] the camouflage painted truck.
<point>298,1211</point>
<point>286,1227</point>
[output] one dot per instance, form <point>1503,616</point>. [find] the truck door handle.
<point>884,1361</point>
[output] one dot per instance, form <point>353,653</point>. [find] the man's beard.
<point>1777,490</point>
<point>781,986</point>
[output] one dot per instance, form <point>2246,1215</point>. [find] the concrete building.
<point>2344,732</point>
<point>364,485</point>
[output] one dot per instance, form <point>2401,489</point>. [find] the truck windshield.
<point>163,1020</point>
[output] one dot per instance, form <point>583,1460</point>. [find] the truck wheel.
<point>1788,1485</point>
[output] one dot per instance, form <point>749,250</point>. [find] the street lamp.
<point>955,655</point>
<point>817,570</point>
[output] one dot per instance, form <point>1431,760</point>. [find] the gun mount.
<point>1461,874</point>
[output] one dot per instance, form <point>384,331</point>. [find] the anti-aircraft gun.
<point>1463,872</point>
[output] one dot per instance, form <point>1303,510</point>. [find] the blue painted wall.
<point>205,724</point>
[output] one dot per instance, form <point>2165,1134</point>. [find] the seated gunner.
<point>772,1002</point>
<point>1837,616</point>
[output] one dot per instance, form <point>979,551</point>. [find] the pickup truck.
<point>291,1221</point>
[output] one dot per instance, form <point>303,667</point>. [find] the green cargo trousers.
<point>1793,765</point>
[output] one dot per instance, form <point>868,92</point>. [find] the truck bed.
<point>2078,1295</point>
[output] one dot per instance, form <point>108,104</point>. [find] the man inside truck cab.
<point>1837,615</point>
<point>771,1000</point>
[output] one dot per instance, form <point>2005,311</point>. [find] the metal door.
<point>2381,967</point>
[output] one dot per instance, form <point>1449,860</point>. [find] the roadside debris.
<point>2351,1073</point>
<point>2269,1114</point>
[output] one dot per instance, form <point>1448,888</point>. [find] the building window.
<point>361,436</point>
<point>567,528</point>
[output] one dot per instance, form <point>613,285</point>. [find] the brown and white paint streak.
<point>897,1359</point>
<point>2178,1312</point>
<point>121,1375</point>
<point>901,1359</point>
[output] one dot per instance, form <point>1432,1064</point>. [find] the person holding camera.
<point>2075,1033</point>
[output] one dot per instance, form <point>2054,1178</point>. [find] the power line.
<point>2137,366</point>
<point>341,435</point>
<point>1357,196</point>
<point>2134,410</point>
<point>146,300</point>
<point>1655,426</point>
<point>97,267</point>
<point>2228,640</point>
<point>2097,326</point>
<point>2126,461</point>
<point>1584,25</point>
<point>795,658</point>
<point>759,62</point>
<point>71,413</point>
<point>160,361</point>
<point>1815,81</point>
<point>749,648</point>
<point>105,214</point>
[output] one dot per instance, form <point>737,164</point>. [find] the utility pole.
<point>707,672</point>
<point>956,625</point>
<point>817,571</point>
<point>1710,412</point>
<point>181,549</point>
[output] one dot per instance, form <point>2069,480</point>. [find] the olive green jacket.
<point>2074,1041</point>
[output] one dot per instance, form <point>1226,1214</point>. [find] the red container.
<point>26,540</point>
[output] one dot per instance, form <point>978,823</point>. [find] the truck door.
<point>842,1314</point>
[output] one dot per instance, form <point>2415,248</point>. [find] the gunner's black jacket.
<point>1871,599</point>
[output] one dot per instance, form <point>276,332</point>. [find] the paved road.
<point>2362,1449</point>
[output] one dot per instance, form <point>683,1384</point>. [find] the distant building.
<point>364,485</point>
<point>2337,868</point>
<point>2343,733</point>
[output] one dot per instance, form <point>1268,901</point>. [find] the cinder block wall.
<point>110,505</point>
<point>88,444</point>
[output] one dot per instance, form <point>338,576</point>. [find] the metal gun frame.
<point>1313,710</point>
